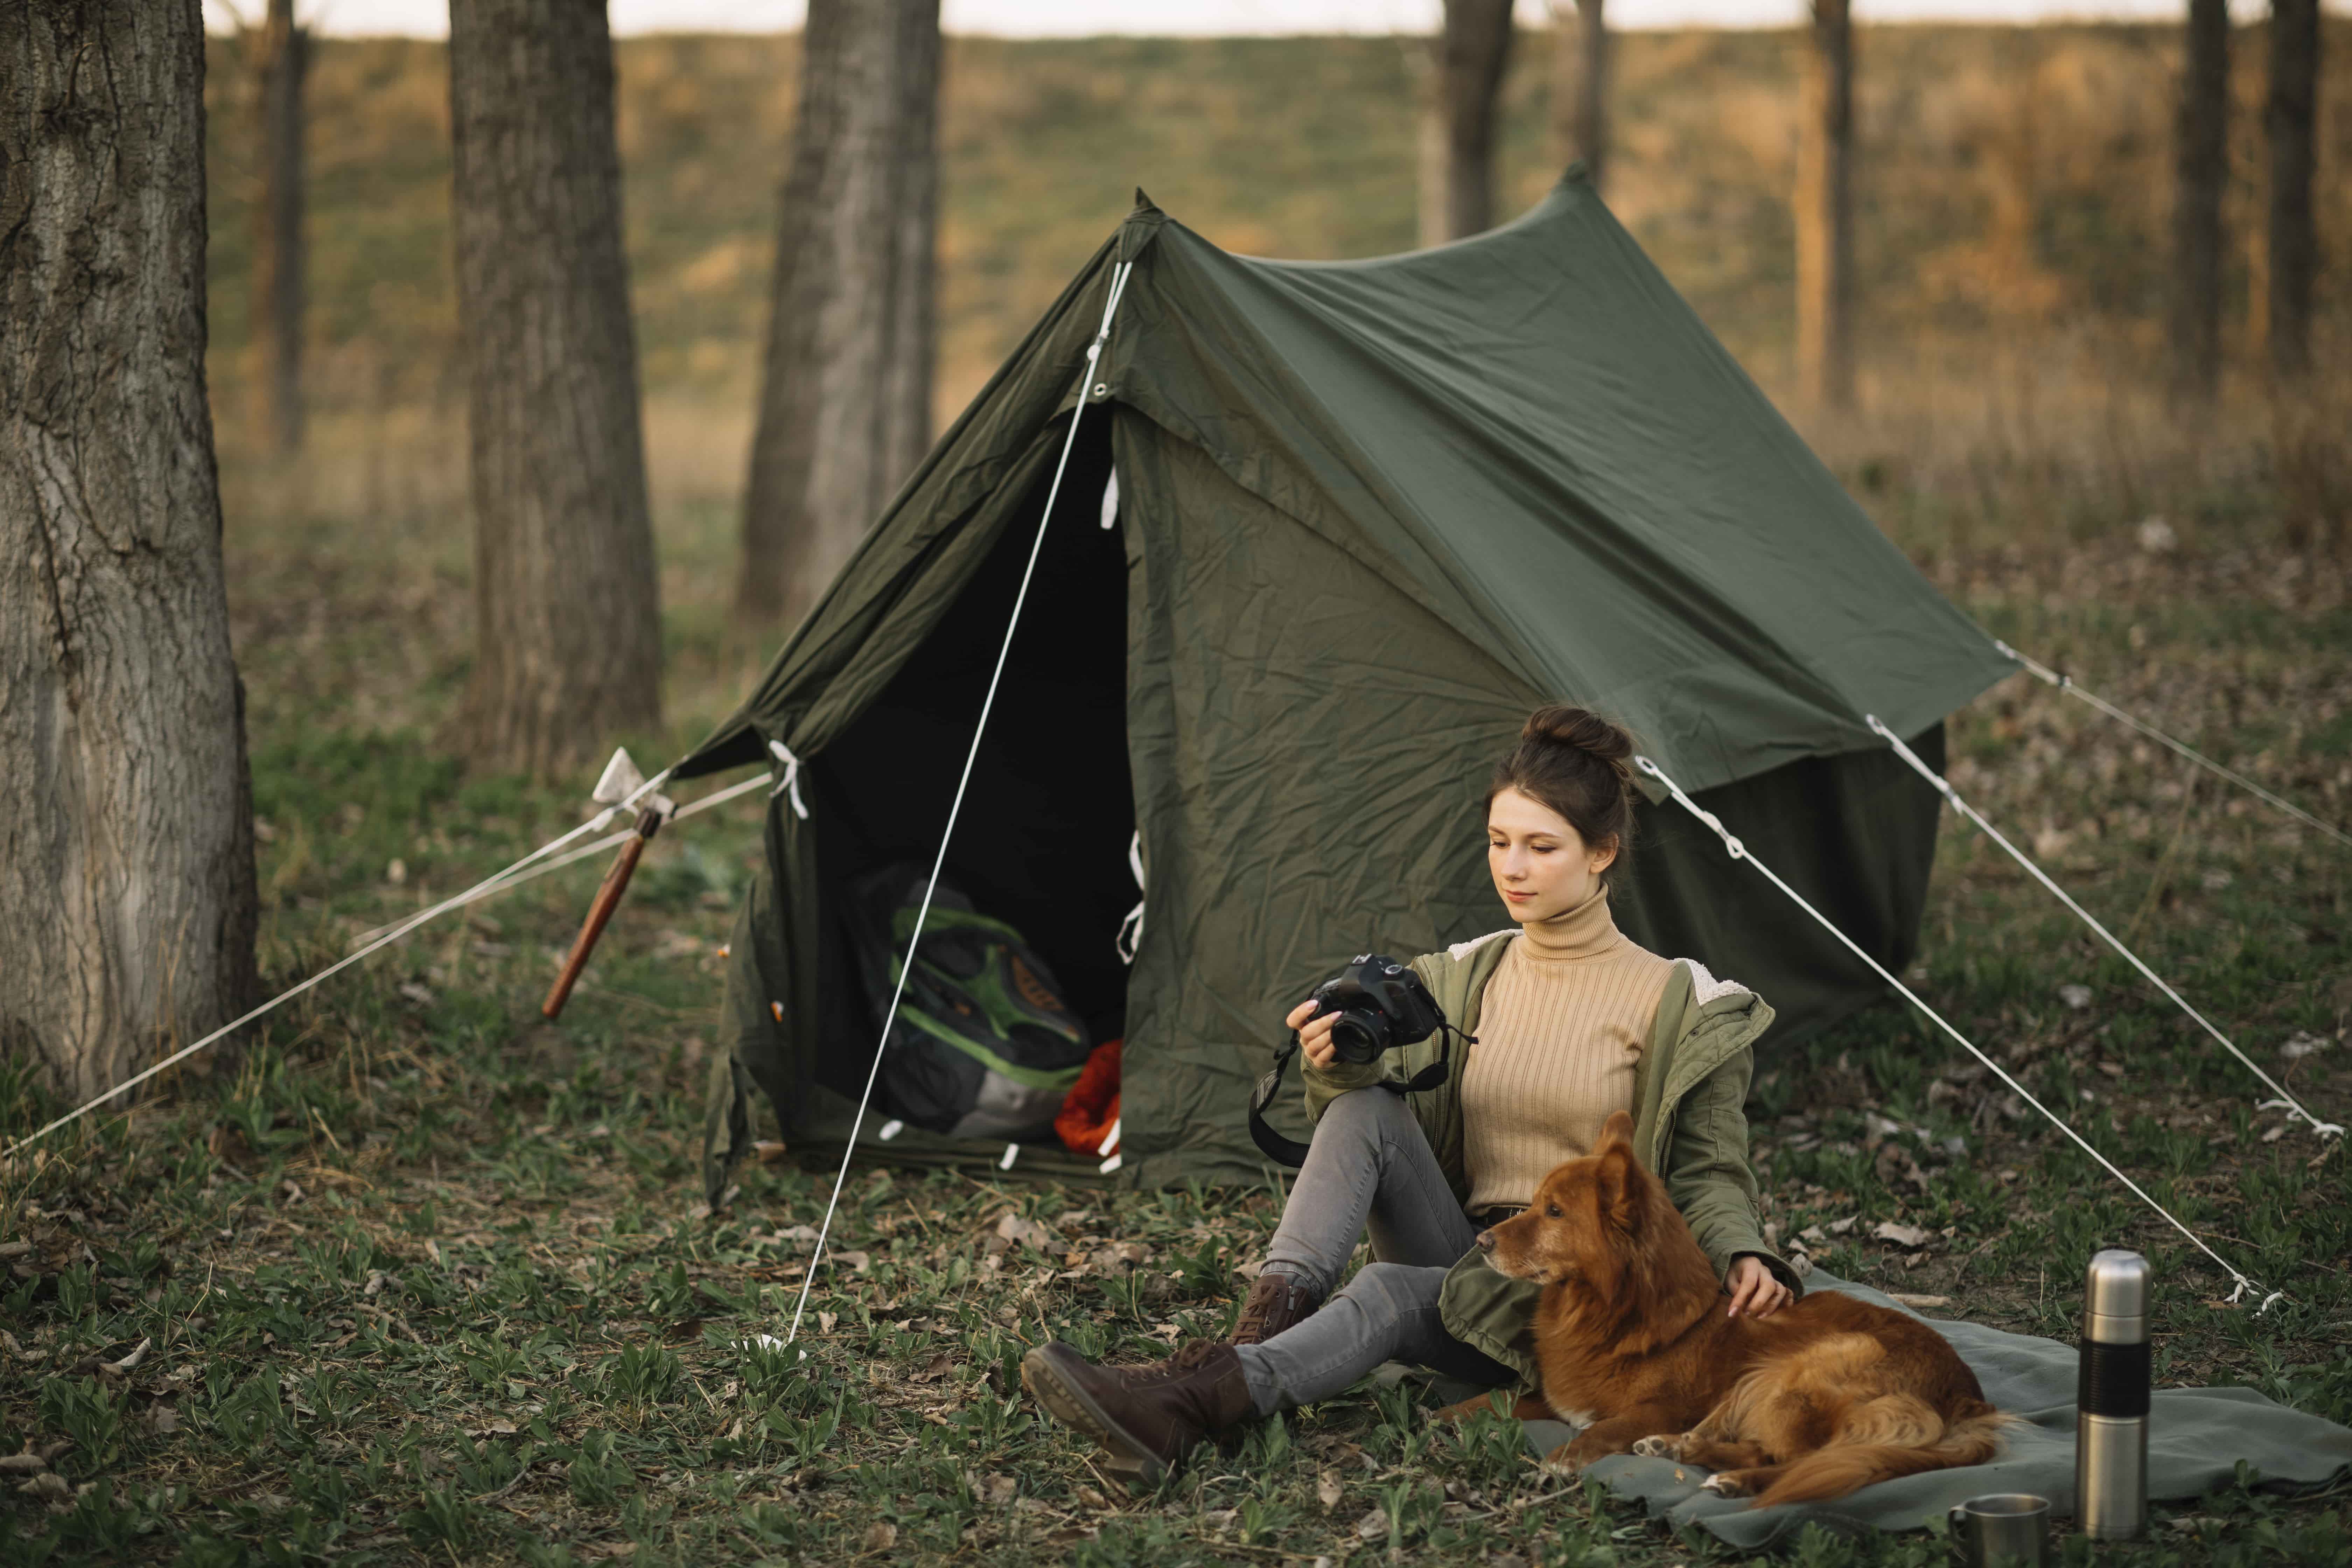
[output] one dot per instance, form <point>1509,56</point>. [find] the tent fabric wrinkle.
<point>1367,515</point>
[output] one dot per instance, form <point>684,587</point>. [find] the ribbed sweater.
<point>1562,1024</point>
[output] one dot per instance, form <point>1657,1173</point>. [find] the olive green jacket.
<point>1690,1087</point>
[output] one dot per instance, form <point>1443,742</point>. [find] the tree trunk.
<point>278,244</point>
<point>845,395</point>
<point>2200,169</point>
<point>2289,118</point>
<point>1580,85</point>
<point>567,613</point>
<point>1460,85</point>
<point>127,899</point>
<point>1825,212</point>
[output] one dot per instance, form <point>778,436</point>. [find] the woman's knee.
<point>1370,1114</point>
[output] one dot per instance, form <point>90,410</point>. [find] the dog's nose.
<point>1486,1241</point>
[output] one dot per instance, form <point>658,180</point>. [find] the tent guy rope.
<point>1952,798</point>
<point>2065,683</point>
<point>534,864</point>
<point>1739,851</point>
<point>955,808</point>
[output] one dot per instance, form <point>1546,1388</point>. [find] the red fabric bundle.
<point>1092,1104</point>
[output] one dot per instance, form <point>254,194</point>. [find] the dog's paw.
<point>1663,1446</point>
<point>1724,1483</point>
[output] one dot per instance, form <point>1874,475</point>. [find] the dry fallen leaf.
<point>1024,1232</point>
<point>1373,1525</point>
<point>824,1322</point>
<point>1902,1299</point>
<point>1901,1235</point>
<point>1091,1498</point>
<point>881,1536</point>
<point>1329,1490</point>
<point>1000,1490</point>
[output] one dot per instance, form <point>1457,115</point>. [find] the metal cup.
<point>2002,1529</point>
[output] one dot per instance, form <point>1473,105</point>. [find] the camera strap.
<point>1290,1151</point>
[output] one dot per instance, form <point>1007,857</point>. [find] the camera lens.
<point>1359,1037</point>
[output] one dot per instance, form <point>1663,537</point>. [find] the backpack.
<point>983,1045</point>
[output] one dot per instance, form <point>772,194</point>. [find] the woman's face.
<point>1540,864</point>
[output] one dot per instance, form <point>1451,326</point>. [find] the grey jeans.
<point>1368,1164</point>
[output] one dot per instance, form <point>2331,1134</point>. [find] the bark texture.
<point>2290,119</point>
<point>1825,202</point>
<point>1580,85</point>
<point>2200,169</point>
<point>127,898</point>
<point>567,613</point>
<point>278,252</point>
<point>1460,82</point>
<point>845,395</point>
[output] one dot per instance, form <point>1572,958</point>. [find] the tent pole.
<point>939,861</point>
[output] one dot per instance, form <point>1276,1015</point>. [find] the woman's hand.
<point>1754,1291</point>
<point>1315,1038</point>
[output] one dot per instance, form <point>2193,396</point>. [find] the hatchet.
<point>621,780</point>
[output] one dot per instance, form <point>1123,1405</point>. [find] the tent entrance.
<point>1042,838</point>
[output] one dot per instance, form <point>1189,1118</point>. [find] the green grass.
<point>423,1278</point>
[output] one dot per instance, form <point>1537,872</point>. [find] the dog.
<point>1634,1343</point>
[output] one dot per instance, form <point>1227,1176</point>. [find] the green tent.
<point>1367,515</point>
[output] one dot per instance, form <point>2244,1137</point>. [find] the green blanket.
<point>2197,1437</point>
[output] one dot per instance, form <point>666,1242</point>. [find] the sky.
<point>1062,19</point>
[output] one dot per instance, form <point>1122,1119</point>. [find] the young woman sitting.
<point>1573,1021</point>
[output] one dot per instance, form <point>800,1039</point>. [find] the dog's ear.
<point>1619,1183</point>
<point>1618,1129</point>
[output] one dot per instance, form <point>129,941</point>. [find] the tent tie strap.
<point>2065,683</point>
<point>1739,851</point>
<point>1130,940</point>
<point>539,861</point>
<point>790,783</point>
<point>1952,798</point>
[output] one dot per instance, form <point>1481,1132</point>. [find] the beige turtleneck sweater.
<point>1562,1023</point>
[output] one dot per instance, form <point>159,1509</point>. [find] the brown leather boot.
<point>1147,1416</point>
<point>1276,1301</point>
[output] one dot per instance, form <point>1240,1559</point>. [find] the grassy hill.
<point>2013,194</point>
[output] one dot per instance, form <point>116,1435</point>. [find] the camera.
<point>1380,1005</point>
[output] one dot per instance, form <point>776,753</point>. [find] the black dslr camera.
<point>1380,1004</point>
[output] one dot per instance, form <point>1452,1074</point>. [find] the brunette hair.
<point>1574,760</point>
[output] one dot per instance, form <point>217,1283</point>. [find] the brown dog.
<point>1634,1343</point>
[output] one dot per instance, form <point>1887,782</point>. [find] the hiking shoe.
<point>1146,1416</point>
<point>1275,1302</point>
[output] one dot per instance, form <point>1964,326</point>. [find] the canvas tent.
<point>1367,514</point>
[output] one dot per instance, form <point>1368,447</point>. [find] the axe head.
<point>620,780</point>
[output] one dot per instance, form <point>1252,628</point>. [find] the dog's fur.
<point>1634,1341</point>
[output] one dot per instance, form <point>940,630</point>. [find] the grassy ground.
<point>420,1278</point>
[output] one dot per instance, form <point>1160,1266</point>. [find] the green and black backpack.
<point>983,1045</point>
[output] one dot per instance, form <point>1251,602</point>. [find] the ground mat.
<point>2196,1438</point>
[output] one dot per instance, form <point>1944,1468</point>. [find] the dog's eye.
<point>1551,1211</point>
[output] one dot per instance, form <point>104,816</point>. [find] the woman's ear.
<point>1604,856</point>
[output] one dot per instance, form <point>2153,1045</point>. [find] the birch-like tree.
<point>1824,215</point>
<point>1580,85</point>
<point>127,899</point>
<point>567,607</point>
<point>2201,168</point>
<point>1461,85</point>
<point>845,386</point>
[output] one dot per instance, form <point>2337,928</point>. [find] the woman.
<point>1573,1021</point>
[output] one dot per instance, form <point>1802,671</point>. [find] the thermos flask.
<point>2111,1399</point>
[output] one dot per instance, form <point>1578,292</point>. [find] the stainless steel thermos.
<point>2111,1399</point>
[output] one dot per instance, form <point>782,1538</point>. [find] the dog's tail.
<point>1971,1435</point>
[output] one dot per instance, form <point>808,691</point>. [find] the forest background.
<point>409,1275</point>
<point>2012,197</point>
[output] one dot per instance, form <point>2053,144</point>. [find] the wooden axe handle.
<point>608,898</point>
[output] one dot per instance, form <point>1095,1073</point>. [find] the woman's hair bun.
<point>1579,727</point>
<point>1573,761</point>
